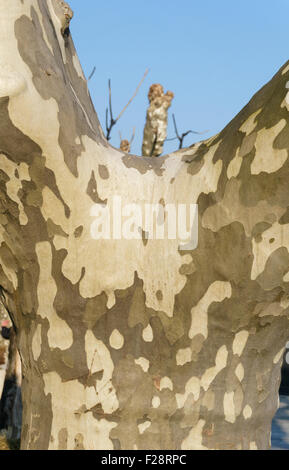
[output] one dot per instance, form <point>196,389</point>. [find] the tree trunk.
<point>137,344</point>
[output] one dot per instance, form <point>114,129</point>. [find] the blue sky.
<point>214,55</point>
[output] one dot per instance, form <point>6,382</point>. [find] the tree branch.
<point>113,121</point>
<point>184,134</point>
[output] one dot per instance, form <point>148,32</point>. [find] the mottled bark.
<point>134,344</point>
<point>155,131</point>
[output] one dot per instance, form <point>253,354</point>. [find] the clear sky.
<point>213,54</point>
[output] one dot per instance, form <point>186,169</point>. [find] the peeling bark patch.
<point>78,231</point>
<point>92,190</point>
<point>145,164</point>
<point>103,172</point>
<point>159,295</point>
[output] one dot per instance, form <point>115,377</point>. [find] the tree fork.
<point>134,344</point>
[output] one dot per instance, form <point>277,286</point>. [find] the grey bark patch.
<point>62,439</point>
<point>103,172</point>
<point>145,164</point>
<point>92,190</point>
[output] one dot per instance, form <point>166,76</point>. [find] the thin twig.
<point>133,136</point>
<point>184,134</point>
<point>92,73</point>
<point>113,121</point>
<point>134,95</point>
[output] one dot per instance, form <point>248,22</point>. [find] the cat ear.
<point>11,82</point>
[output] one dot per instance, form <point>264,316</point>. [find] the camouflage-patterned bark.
<point>134,344</point>
<point>155,131</point>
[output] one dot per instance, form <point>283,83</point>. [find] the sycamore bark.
<point>135,344</point>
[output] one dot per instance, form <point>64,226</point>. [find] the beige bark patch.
<point>240,372</point>
<point>183,356</point>
<point>209,400</point>
<point>247,412</point>
<point>116,340</point>
<point>144,426</point>
<point>217,292</point>
<point>143,363</point>
<point>234,166</point>
<point>195,438</point>
<point>229,407</point>
<point>67,399</point>
<point>253,446</point>
<point>211,373</point>
<point>274,238</point>
<point>166,383</point>
<point>240,342</point>
<point>12,83</point>
<point>156,402</point>
<point>246,147</point>
<point>250,124</point>
<point>59,333</point>
<point>52,208</point>
<point>78,67</point>
<point>268,158</point>
<point>99,359</point>
<point>36,343</point>
<point>147,334</point>
<point>285,70</point>
<point>192,387</point>
<point>284,302</point>
<point>278,356</point>
<point>92,349</point>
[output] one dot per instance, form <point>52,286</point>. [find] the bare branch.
<point>175,125</point>
<point>92,73</point>
<point>133,136</point>
<point>110,105</point>
<point>112,120</point>
<point>134,95</point>
<point>184,134</point>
